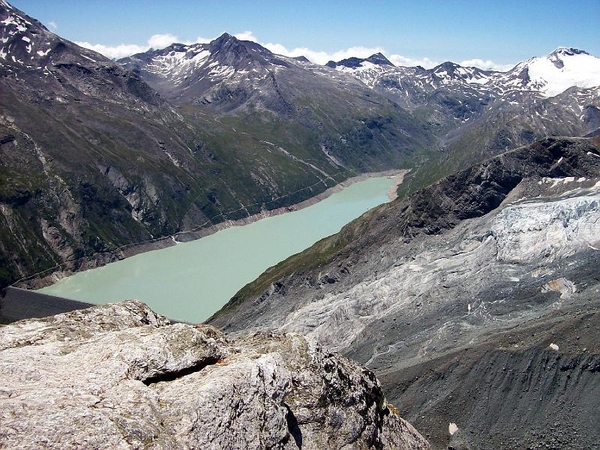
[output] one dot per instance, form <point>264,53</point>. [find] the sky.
<point>490,34</point>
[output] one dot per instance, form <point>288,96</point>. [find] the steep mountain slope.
<point>75,130</point>
<point>95,160</point>
<point>334,121</point>
<point>476,274</point>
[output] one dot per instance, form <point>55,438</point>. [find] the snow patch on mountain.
<point>563,69</point>
<point>366,72</point>
<point>545,76</point>
<point>450,73</point>
<point>178,62</point>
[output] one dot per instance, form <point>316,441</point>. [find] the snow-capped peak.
<point>562,69</point>
<point>567,51</point>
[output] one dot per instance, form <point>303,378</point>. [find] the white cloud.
<point>399,60</point>
<point>323,57</point>
<point>246,36</point>
<point>52,24</point>
<point>364,52</point>
<point>486,64</point>
<point>116,51</point>
<point>159,41</point>
<point>156,41</point>
<point>427,63</point>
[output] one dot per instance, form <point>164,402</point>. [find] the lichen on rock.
<point>121,376</point>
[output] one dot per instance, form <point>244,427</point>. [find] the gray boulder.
<point>120,376</point>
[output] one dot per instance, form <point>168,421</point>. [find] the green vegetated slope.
<point>94,159</point>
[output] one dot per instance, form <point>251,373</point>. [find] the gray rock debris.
<point>120,376</point>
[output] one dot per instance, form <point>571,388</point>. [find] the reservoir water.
<point>193,280</point>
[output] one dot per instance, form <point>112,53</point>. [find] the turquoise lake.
<point>191,281</point>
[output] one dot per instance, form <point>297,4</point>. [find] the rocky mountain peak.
<point>25,43</point>
<point>446,67</point>
<point>28,50</point>
<point>228,43</point>
<point>557,56</point>
<point>567,51</point>
<point>455,73</point>
<point>379,59</point>
<point>222,40</point>
<point>230,51</point>
<point>20,36</point>
<point>353,62</point>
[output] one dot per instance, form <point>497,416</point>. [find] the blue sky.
<point>489,33</point>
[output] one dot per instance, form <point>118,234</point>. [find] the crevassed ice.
<point>530,231</point>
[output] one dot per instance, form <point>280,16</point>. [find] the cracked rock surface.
<point>120,376</point>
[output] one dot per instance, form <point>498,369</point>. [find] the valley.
<point>117,156</point>
<point>104,161</point>
<point>217,266</point>
<point>469,303</point>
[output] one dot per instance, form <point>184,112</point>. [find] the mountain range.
<point>472,296</point>
<point>95,159</point>
<point>476,113</point>
<point>103,158</point>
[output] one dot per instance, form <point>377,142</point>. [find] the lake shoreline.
<point>397,176</point>
<point>68,268</point>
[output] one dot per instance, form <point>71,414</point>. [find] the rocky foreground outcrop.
<point>120,376</point>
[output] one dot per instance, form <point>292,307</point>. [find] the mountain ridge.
<point>452,102</point>
<point>476,114</point>
<point>586,67</point>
